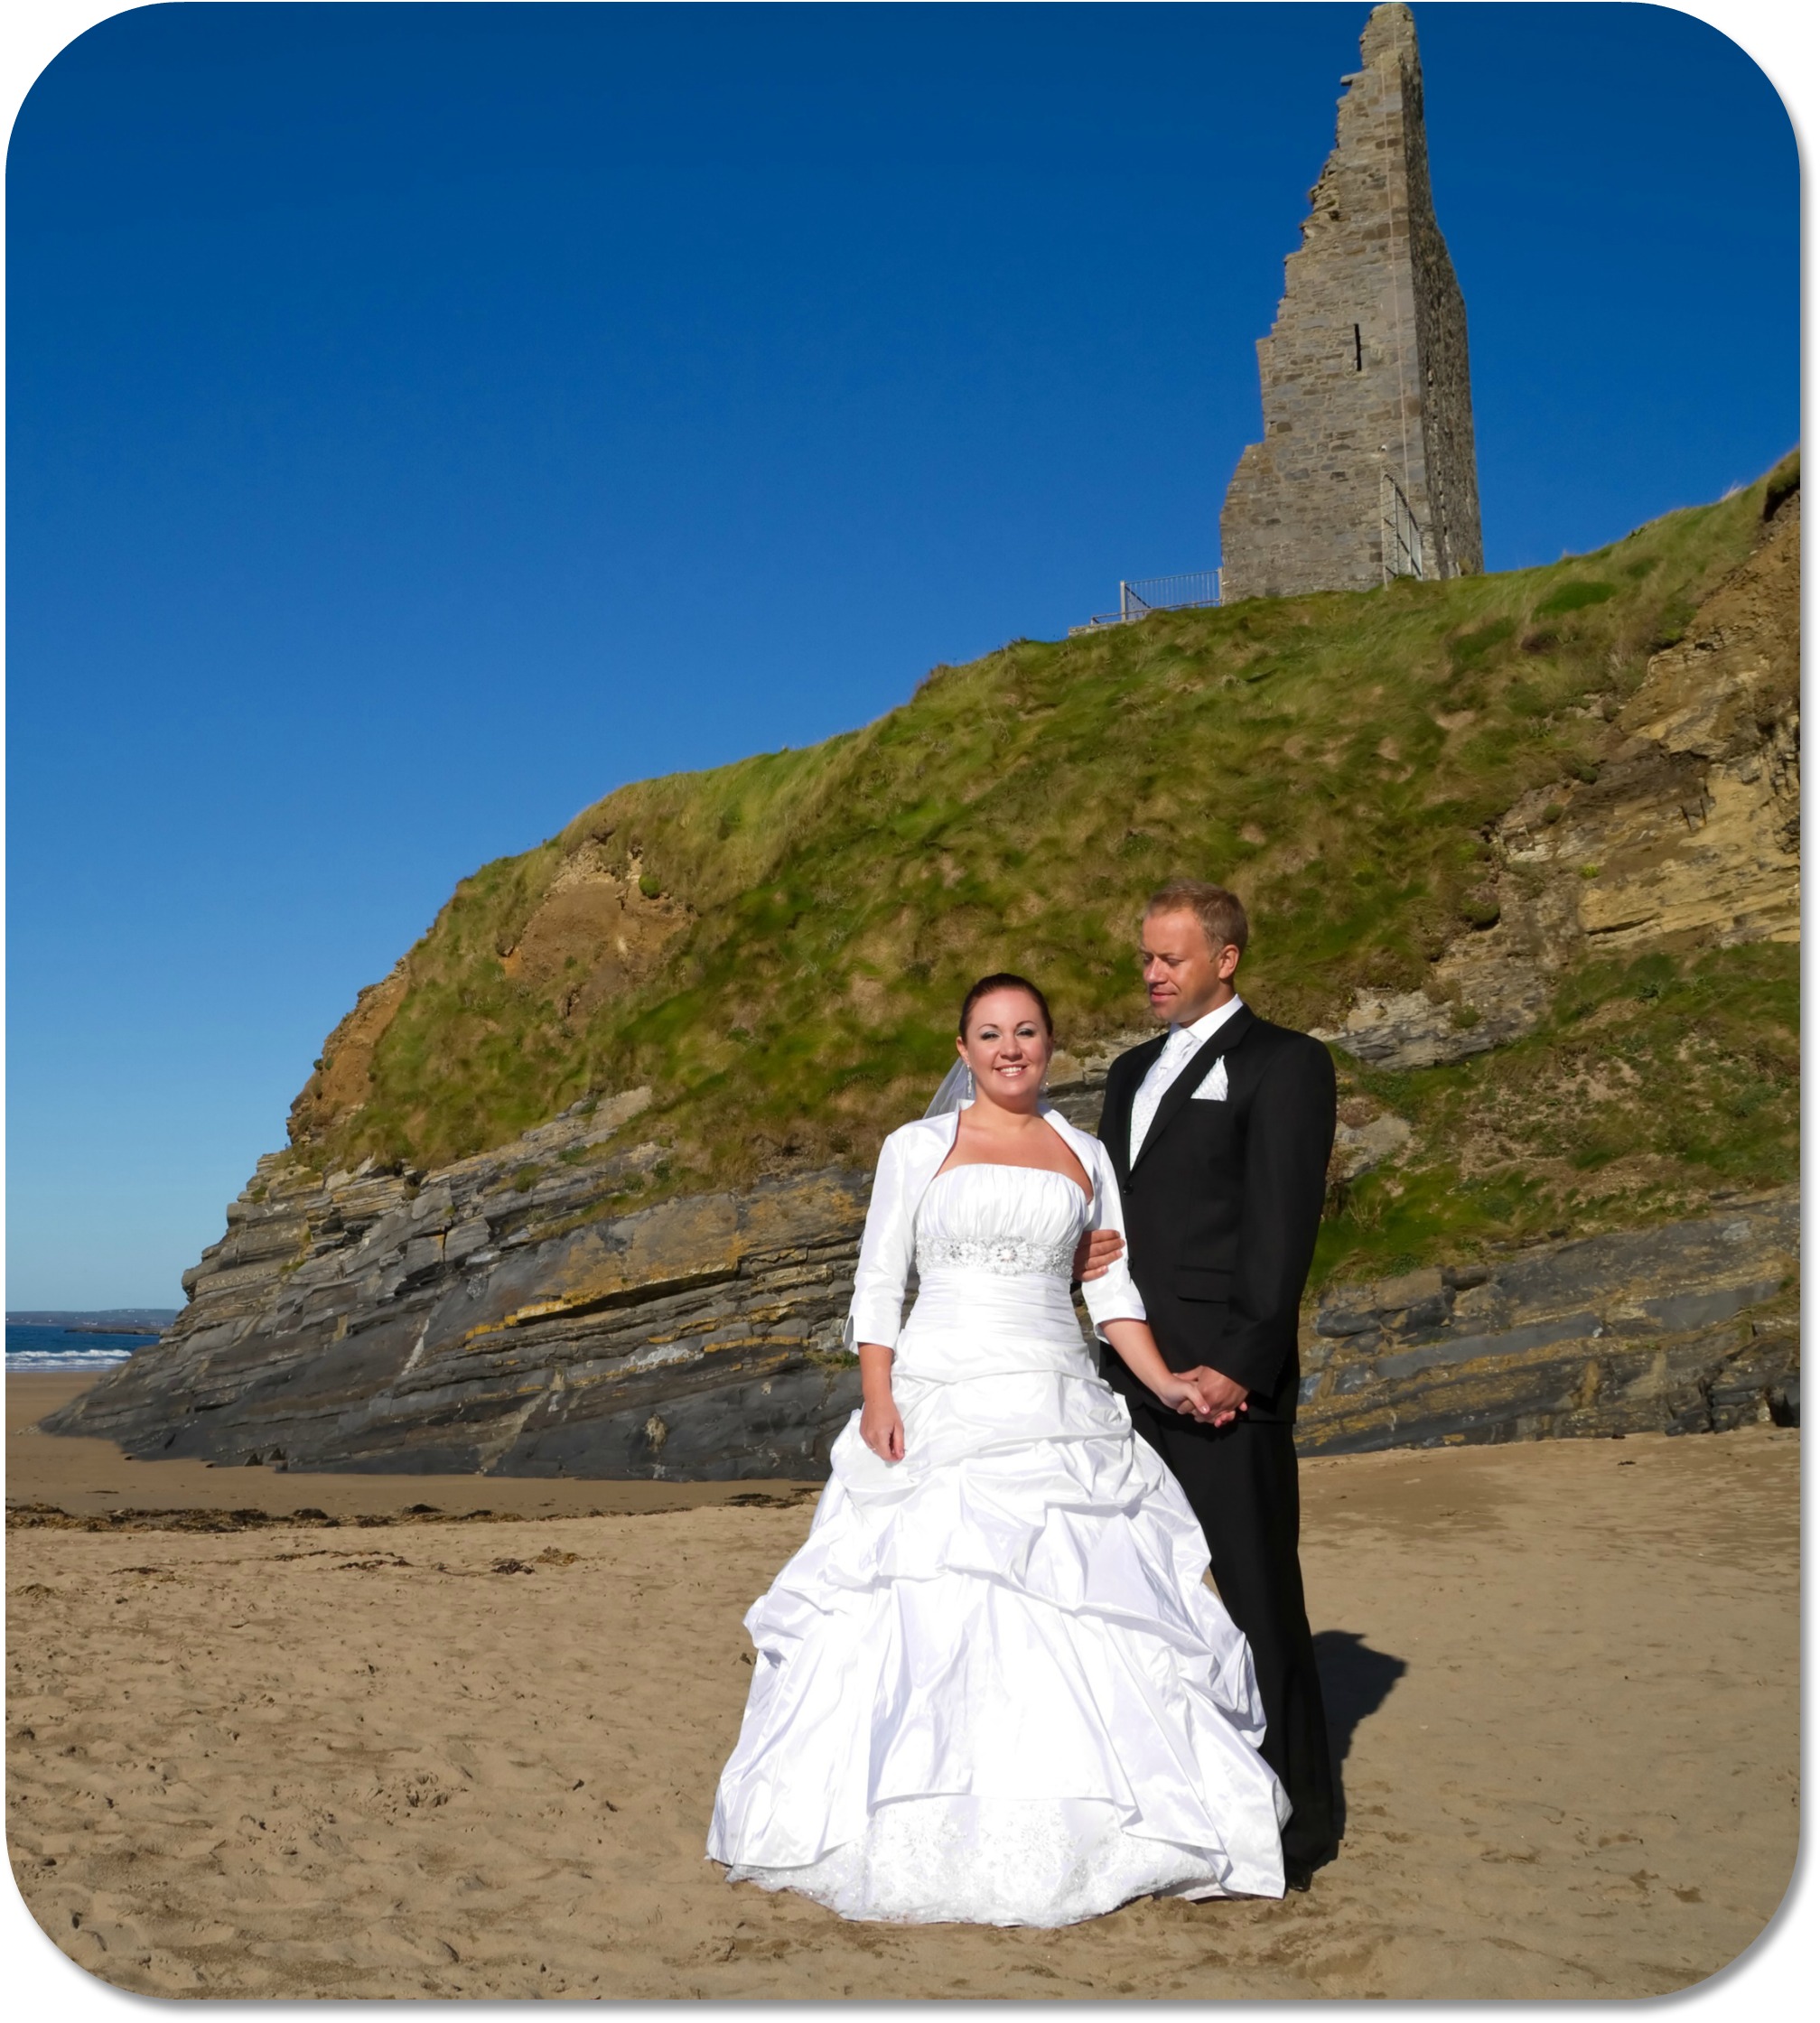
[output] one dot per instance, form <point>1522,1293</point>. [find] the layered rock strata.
<point>1686,835</point>
<point>520,1313</point>
<point>517,1314</point>
<point>1691,1328</point>
<point>499,1318</point>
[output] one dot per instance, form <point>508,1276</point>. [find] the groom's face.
<point>1184,976</point>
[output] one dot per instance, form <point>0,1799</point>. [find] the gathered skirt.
<point>994,1685</point>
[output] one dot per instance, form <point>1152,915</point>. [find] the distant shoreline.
<point>116,1328</point>
<point>96,1320</point>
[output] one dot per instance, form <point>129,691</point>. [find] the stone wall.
<point>1365,370</point>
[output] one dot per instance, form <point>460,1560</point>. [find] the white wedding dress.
<point>993,1686</point>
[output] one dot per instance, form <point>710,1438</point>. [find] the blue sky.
<point>423,419</point>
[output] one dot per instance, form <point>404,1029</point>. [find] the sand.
<point>465,1758</point>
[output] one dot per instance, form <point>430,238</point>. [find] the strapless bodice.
<point>1013,1221</point>
<point>994,1257</point>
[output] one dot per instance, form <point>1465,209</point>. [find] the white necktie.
<point>1180,1044</point>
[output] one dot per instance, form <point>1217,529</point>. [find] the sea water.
<point>30,1347</point>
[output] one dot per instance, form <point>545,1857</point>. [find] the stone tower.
<point>1366,470</point>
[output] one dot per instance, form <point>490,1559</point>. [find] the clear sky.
<point>423,419</point>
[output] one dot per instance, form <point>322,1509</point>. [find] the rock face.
<point>1409,1029</point>
<point>595,931</point>
<point>1687,836</point>
<point>508,1316</point>
<point>1367,468</point>
<point>498,1316</point>
<point>1688,1329</point>
<point>1691,833</point>
<point>518,1312</point>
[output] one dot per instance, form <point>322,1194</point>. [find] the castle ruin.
<point>1366,470</point>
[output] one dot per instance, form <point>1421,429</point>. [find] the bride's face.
<point>1007,1045</point>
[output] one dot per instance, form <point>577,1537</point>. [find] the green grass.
<point>1338,758</point>
<point>1652,1084</point>
<point>1579,596</point>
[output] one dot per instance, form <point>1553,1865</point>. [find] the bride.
<point>991,1686</point>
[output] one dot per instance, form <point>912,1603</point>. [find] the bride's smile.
<point>1006,1042</point>
<point>1007,1050</point>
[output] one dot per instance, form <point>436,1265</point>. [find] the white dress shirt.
<point>1181,1048</point>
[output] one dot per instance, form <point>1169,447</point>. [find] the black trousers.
<point>1240,1481</point>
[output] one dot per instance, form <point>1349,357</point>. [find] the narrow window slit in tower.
<point>1357,351</point>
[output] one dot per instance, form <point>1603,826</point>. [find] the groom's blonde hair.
<point>1221,913</point>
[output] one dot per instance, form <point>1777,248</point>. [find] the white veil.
<point>954,1092</point>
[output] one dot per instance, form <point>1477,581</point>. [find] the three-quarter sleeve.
<point>1116,1296</point>
<point>876,1313</point>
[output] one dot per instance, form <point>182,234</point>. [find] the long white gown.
<point>993,1686</point>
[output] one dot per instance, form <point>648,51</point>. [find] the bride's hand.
<point>882,1428</point>
<point>1203,1393</point>
<point>1218,1398</point>
<point>1181,1393</point>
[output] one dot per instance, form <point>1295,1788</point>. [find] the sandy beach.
<point>380,1751</point>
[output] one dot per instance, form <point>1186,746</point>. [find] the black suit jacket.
<point>1223,1205</point>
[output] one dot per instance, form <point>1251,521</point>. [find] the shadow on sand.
<point>1355,1682</point>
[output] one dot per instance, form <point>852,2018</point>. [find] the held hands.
<point>1213,1399</point>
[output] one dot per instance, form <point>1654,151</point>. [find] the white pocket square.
<point>1213,1086</point>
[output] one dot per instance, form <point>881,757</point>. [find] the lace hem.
<point>963,1860</point>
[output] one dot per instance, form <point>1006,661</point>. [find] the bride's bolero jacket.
<point>909,1159</point>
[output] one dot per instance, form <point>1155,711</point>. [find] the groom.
<point>1220,1131</point>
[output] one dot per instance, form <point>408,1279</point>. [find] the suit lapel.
<point>1199,1066</point>
<point>1136,1066</point>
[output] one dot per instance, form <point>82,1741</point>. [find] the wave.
<point>42,1349</point>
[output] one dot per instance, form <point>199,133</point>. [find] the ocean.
<point>30,1347</point>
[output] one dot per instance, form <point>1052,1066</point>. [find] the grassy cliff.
<point>775,947</point>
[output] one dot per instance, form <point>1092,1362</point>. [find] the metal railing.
<point>1402,544</point>
<point>1191,591</point>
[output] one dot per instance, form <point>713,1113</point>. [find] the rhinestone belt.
<point>1009,1256</point>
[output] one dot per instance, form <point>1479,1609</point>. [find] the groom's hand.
<point>1096,1253</point>
<point>1221,1398</point>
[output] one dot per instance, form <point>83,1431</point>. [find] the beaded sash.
<point>1008,1256</point>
